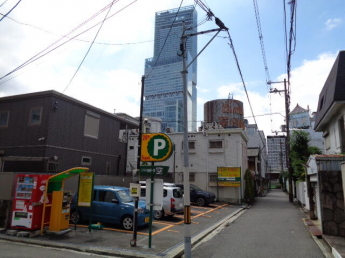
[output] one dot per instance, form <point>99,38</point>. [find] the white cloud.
<point>308,80</point>
<point>332,23</point>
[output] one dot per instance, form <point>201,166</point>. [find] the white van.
<point>172,200</point>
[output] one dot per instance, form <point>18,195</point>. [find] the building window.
<point>86,161</point>
<point>191,145</point>
<point>35,116</point>
<point>91,124</point>
<point>131,147</point>
<point>213,177</point>
<point>341,133</point>
<point>4,117</point>
<point>216,144</point>
<point>192,177</point>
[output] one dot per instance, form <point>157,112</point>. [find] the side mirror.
<point>115,201</point>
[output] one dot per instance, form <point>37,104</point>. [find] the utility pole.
<point>133,242</point>
<point>186,183</point>
<point>287,119</point>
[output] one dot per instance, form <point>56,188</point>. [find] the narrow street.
<point>272,227</point>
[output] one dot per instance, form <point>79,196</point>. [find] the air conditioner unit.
<point>169,130</point>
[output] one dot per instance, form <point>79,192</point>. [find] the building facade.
<point>330,114</point>
<point>163,89</point>
<point>207,151</point>
<point>51,132</point>
<point>300,119</point>
<point>276,153</point>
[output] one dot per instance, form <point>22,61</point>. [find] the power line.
<point>87,52</point>
<point>36,58</point>
<point>3,3</point>
<point>258,23</point>
<point>76,28</point>
<point>244,85</point>
<point>221,25</point>
<point>165,41</point>
<point>10,10</point>
<point>82,40</point>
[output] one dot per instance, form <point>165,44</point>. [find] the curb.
<point>319,242</point>
<point>178,250</point>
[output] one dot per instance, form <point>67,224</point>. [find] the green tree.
<point>300,152</point>
<point>249,186</point>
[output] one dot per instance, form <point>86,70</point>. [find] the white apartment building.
<point>207,150</point>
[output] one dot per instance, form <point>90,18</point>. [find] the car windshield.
<point>124,196</point>
<point>194,187</point>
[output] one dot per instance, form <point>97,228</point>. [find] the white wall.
<point>204,161</point>
<point>334,134</point>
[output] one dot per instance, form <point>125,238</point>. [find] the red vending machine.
<point>28,201</point>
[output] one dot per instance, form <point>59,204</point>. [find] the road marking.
<point>161,223</point>
<point>114,229</point>
<point>195,222</point>
<point>206,216</point>
<point>162,229</point>
<point>169,230</point>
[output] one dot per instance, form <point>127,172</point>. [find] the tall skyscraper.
<point>163,84</point>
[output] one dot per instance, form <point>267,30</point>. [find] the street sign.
<point>134,190</point>
<point>154,170</point>
<point>155,147</point>
<point>85,189</point>
<point>229,176</point>
<point>157,199</point>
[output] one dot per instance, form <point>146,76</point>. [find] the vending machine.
<point>28,201</point>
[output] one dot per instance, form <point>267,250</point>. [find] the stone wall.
<point>332,203</point>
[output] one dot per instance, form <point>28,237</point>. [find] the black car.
<point>199,196</point>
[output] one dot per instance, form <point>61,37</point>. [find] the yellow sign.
<point>155,147</point>
<point>85,189</point>
<point>229,176</point>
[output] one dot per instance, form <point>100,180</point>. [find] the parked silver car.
<point>172,200</point>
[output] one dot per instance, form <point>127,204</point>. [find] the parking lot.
<point>167,234</point>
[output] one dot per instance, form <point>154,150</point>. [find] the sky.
<point>110,76</point>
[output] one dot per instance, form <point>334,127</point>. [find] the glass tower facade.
<point>163,84</point>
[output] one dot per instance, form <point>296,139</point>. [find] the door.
<point>108,207</point>
<point>193,194</point>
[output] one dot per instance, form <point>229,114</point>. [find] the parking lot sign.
<point>155,147</point>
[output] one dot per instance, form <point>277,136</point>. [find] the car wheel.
<point>158,214</point>
<point>127,222</point>
<point>201,201</point>
<point>75,216</point>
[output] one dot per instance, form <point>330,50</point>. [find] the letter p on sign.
<point>159,144</point>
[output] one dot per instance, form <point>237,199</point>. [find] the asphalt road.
<point>19,250</point>
<point>272,227</point>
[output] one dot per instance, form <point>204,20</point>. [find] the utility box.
<point>60,211</point>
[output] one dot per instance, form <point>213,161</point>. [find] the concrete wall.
<point>302,195</point>
<point>332,203</point>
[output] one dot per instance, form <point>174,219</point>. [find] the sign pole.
<point>217,185</point>
<point>76,208</point>
<point>151,211</point>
